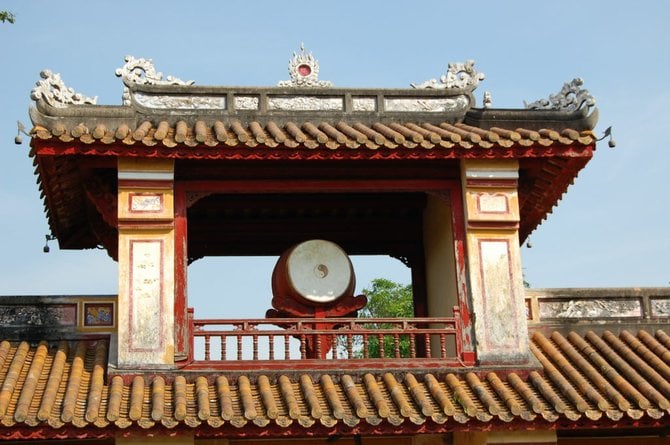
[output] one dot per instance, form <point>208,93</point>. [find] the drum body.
<point>315,272</point>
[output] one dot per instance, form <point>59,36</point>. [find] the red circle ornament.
<point>304,70</point>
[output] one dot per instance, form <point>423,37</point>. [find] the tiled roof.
<point>611,378</point>
<point>311,135</point>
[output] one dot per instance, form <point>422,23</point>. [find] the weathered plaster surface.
<point>494,262</point>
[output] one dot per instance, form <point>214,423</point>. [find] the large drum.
<point>316,272</point>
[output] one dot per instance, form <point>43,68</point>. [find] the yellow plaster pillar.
<point>469,438</point>
<point>491,206</point>
<point>146,263</point>
<point>547,437</point>
<point>430,439</point>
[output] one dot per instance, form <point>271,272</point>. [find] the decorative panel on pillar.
<point>494,263</point>
<point>146,264</point>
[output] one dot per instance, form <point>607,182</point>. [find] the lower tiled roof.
<point>582,379</point>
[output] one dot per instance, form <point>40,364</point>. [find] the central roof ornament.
<point>304,71</point>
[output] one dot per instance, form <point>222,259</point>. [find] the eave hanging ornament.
<point>314,279</point>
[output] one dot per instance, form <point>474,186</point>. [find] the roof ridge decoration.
<point>460,75</point>
<point>54,92</point>
<point>572,97</point>
<point>304,71</point>
<point>140,71</point>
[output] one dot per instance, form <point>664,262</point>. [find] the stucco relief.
<point>364,104</point>
<point>246,102</point>
<point>660,307</point>
<point>428,105</point>
<point>591,308</point>
<point>48,316</point>
<point>181,102</point>
<point>305,103</point>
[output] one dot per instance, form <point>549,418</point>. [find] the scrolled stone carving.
<point>53,91</point>
<point>142,72</point>
<point>572,97</point>
<point>459,75</point>
<point>590,308</point>
<point>304,71</point>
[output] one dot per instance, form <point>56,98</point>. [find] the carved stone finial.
<point>53,91</point>
<point>488,101</point>
<point>460,75</point>
<point>572,97</point>
<point>142,72</point>
<point>304,71</point>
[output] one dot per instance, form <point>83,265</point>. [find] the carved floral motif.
<point>427,105</point>
<point>591,308</point>
<point>305,103</point>
<point>53,91</point>
<point>660,307</point>
<point>572,97</point>
<point>459,75</point>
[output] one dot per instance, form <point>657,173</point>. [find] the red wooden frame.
<point>446,189</point>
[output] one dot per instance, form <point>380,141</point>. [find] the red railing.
<point>326,342</point>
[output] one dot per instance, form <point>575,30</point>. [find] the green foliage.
<point>387,299</point>
<point>6,16</point>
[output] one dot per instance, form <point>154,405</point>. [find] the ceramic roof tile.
<point>310,134</point>
<point>582,377</point>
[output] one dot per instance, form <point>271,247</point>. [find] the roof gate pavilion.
<point>425,174</point>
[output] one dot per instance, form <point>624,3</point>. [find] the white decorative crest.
<point>571,98</point>
<point>304,71</point>
<point>460,75</point>
<point>142,72</point>
<point>53,91</point>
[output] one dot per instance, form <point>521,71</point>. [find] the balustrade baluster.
<point>303,347</point>
<point>443,345</point>
<point>223,347</point>
<point>271,352</point>
<point>380,339</point>
<point>239,347</point>
<point>287,349</point>
<point>366,351</point>
<point>396,345</point>
<point>255,345</point>
<point>317,342</point>
<point>333,341</point>
<point>412,345</point>
<point>350,346</point>
<point>207,357</point>
<point>426,339</point>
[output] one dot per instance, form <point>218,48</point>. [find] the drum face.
<point>318,271</point>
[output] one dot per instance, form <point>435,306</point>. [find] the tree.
<point>387,299</point>
<point>6,16</point>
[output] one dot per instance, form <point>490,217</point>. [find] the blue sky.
<point>609,230</point>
